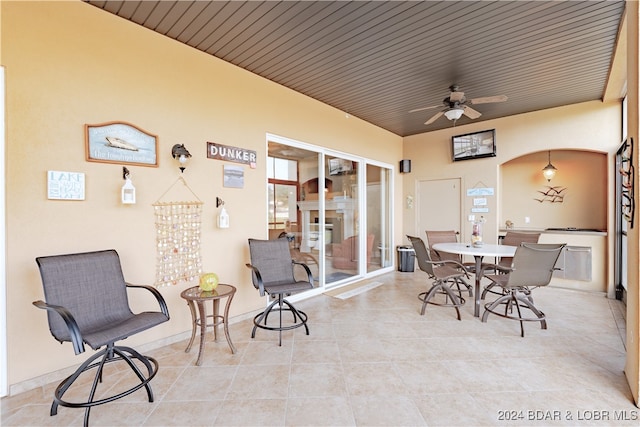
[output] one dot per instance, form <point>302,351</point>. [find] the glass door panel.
<point>340,230</point>
<point>379,217</point>
<point>294,203</point>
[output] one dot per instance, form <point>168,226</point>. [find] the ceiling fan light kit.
<point>457,105</point>
<point>454,113</point>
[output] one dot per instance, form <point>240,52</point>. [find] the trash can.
<point>406,256</point>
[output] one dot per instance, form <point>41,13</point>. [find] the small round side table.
<point>197,296</point>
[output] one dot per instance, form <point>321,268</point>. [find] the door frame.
<point>3,245</point>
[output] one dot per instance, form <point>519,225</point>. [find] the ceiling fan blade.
<point>488,99</point>
<point>456,96</point>
<point>435,117</point>
<point>471,113</point>
<point>425,108</point>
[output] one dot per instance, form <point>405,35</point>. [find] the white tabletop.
<point>484,250</point>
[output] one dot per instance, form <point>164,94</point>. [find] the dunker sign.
<point>231,154</point>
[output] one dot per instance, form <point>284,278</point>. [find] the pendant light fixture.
<point>549,171</point>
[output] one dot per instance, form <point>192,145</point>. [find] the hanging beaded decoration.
<point>178,226</point>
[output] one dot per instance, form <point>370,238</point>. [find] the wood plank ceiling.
<point>378,60</point>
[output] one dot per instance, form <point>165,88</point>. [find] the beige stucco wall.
<point>632,366</point>
<point>69,64</point>
<point>591,126</point>
<point>581,178</point>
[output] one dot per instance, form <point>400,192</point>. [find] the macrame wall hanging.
<point>178,226</point>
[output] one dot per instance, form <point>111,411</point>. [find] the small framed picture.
<point>63,185</point>
<point>233,176</point>
<point>119,142</point>
<point>474,145</point>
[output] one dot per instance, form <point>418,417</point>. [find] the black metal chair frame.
<point>278,291</point>
<point>109,354</point>
<point>517,285</point>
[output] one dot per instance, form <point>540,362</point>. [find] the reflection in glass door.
<point>315,201</point>
<point>293,193</point>
<point>378,217</point>
<point>341,228</point>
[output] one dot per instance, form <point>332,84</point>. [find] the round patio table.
<point>478,253</point>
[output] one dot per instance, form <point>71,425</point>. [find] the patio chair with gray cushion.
<point>533,266</point>
<point>273,274</point>
<point>86,303</point>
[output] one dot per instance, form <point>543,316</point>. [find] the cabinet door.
<point>574,263</point>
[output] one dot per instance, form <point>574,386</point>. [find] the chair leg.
<point>262,317</point>
<point>489,289</point>
<point>440,286</point>
<point>467,285</point>
<point>528,303</point>
<point>486,290</point>
<point>110,354</point>
<point>297,315</point>
<point>489,308</point>
<point>64,385</point>
<point>454,300</point>
<point>519,300</point>
<point>299,318</point>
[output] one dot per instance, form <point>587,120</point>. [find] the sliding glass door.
<point>334,209</point>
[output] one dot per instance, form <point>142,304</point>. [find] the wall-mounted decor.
<point>233,176</point>
<point>65,185</point>
<point>231,154</point>
<point>178,230</point>
<point>551,195</point>
<point>119,142</point>
<point>474,145</point>
<point>480,191</point>
<point>178,226</point>
<point>627,173</point>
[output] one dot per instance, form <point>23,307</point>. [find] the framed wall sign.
<point>63,185</point>
<point>474,145</point>
<point>119,142</point>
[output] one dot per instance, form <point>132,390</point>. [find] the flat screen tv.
<point>474,145</point>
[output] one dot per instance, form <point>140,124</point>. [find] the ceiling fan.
<point>456,104</point>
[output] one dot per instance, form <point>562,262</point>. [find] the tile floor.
<point>372,360</point>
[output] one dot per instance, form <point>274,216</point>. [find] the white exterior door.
<point>438,206</point>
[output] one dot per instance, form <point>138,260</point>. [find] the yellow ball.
<point>208,281</point>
